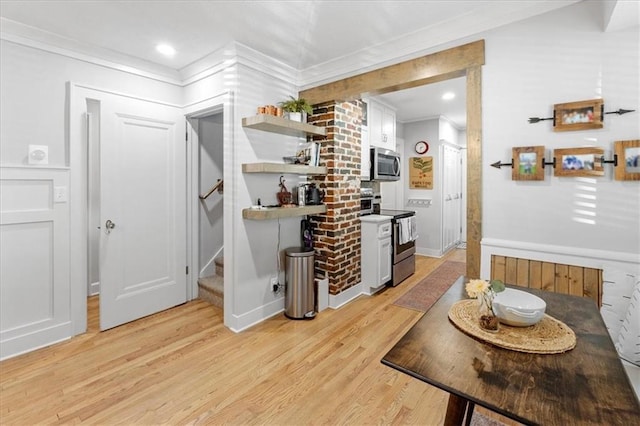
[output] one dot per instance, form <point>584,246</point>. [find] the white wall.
<point>251,247</point>
<point>255,250</point>
<point>560,57</point>
<point>33,102</point>
<point>435,132</point>
<point>428,219</point>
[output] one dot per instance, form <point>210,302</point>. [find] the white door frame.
<point>222,103</point>
<point>78,165</point>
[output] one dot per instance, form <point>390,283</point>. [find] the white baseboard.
<point>423,251</point>
<point>29,342</point>
<point>94,288</point>
<point>337,300</point>
<point>258,315</point>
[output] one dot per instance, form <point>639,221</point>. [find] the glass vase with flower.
<point>485,291</point>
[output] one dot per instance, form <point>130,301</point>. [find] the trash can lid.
<point>299,251</point>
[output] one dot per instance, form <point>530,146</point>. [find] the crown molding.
<point>35,38</point>
<point>236,54</point>
<point>216,62</point>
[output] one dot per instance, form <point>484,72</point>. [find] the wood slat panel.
<point>562,279</point>
<point>511,274</point>
<point>522,273</point>
<point>576,281</point>
<point>593,285</point>
<point>548,276</point>
<point>498,270</point>
<point>535,274</point>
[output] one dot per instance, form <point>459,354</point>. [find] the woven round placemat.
<point>548,336</point>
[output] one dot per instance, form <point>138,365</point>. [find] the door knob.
<point>109,225</point>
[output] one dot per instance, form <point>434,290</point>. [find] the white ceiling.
<point>303,35</point>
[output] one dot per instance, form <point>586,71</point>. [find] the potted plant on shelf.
<point>296,109</point>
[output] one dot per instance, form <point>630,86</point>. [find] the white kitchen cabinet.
<point>376,250</point>
<point>382,125</point>
<point>365,156</point>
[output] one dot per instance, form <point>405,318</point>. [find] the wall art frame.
<point>421,172</point>
<point>582,115</point>
<point>528,163</point>
<point>628,159</point>
<point>578,162</point>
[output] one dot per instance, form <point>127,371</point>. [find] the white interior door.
<point>451,196</point>
<point>143,209</point>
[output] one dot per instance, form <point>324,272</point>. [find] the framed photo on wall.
<point>628,153</point>
<point>578,162</point>
<point>528,163</point>
<point>583,115</point>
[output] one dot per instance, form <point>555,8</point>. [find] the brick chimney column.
<point>337,232</point>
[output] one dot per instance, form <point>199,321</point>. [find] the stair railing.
<point>218,185</point>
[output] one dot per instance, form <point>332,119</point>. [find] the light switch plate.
<point>60,194</point>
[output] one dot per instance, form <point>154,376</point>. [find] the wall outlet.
<point>274,284</point>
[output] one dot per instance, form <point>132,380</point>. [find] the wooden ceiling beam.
<point>439,66</point>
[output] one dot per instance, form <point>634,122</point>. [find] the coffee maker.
<point>315,196</point>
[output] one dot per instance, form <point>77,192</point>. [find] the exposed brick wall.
<point>337,233</point>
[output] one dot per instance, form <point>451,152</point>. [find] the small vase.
<point>295,116</point>
<point>488,320</point>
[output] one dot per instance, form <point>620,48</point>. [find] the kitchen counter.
<point>375,218</point>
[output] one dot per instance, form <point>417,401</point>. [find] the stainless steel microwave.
<point>385,164</point>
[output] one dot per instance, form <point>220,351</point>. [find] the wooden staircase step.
<point>211,289</point>
<point>219,262</point>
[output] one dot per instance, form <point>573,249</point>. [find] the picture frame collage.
<point>528,162</point>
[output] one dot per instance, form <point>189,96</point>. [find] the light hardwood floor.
<point>182,366</point>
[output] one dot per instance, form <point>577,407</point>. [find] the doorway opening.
<point>207,218</point>
<point>206,133</point>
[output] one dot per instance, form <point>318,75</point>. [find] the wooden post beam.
<point>439,66</point>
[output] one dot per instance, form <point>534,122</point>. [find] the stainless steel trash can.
<point>299,298</point>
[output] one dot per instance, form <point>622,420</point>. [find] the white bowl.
<point>518,308</point>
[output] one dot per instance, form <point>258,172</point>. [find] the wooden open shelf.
<point>273,124</point>
<point>268,213</point>
<point>300,169</point>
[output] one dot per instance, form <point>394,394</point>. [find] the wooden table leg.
<point>469,414</point>
<point>456,409</point>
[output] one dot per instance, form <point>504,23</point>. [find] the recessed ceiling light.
<point>165,49</point>
<point>448,96</point>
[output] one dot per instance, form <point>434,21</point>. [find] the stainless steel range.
<point>403,237</point>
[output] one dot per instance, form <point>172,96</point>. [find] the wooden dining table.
<point>585,385</point>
